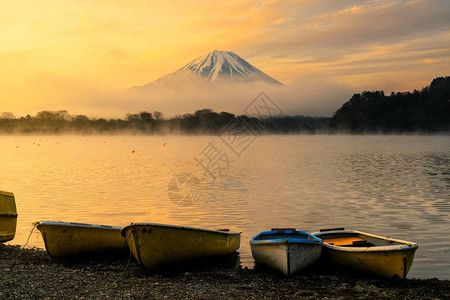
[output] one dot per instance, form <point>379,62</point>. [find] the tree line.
<point>427,110</point>
<point>204,121</point>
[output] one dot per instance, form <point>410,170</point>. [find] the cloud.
<point>119,53</point>
<point>430,61</point>
<point>314,44</point>
<point>355,27</point>
<point>105,46</point>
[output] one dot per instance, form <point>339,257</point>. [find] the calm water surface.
<point>397,186</point>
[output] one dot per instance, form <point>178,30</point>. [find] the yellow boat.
<point>71,240</point>
<point>369,253</point>
<point>8,216</point>
<point>158,245</point>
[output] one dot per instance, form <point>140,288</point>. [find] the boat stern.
<point>287,251</point>
<point>8,216</point>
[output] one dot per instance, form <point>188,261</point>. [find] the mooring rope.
<point>123,272</point>
<point>35,224</point>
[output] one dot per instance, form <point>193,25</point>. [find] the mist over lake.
<point>396,186</point>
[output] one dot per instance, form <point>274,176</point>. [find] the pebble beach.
<point>31,274</point>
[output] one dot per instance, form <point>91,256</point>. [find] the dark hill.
<point>427,110</point>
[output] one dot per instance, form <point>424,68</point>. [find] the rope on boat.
<point>123,272</point>
<point>35,224</point>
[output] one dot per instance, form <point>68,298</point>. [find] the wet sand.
<point>34,275</point>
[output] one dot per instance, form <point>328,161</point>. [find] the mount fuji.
<point>219,80</point>
<point>214,68</point>
<point>224,81</point>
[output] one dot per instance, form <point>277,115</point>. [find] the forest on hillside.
<point>427,111</point>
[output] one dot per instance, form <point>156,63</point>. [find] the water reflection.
<point>393,186</point>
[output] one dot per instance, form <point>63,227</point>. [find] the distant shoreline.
<point>420,112</point>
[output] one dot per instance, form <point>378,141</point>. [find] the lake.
<point>396,186</point>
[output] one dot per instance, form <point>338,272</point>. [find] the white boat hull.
<point>286,257</point>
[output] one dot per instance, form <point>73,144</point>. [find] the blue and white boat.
<point>286,249</point>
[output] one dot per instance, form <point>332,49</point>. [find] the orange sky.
<point>55,53</point>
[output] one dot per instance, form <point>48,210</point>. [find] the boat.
<point>71,240</point>
<point>377,255</point>
<point>8,216</point>
<point>159,245</point>
<point>286,249</point>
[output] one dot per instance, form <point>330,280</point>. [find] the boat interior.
<point>283,235</point>
<point>354,239</point>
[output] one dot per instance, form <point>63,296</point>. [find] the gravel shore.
<point>32,274</point>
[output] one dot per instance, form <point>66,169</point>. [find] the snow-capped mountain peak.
<point>218,66</point>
